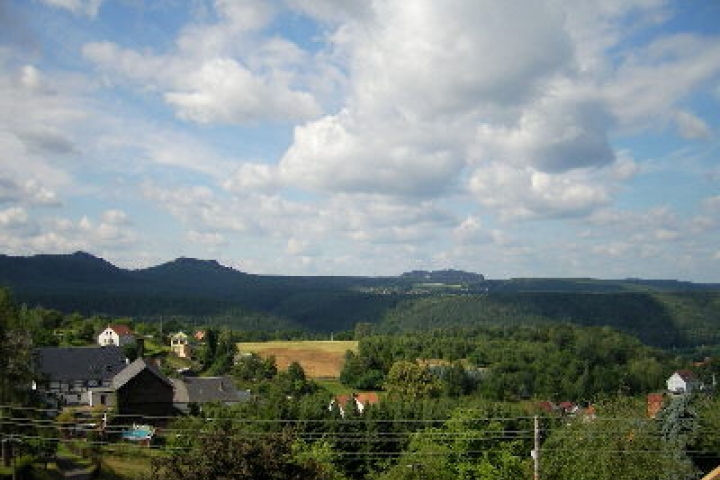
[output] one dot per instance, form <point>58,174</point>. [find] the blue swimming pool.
<point>139,434</point>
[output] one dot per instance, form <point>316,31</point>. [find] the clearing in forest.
<point>319,359</point>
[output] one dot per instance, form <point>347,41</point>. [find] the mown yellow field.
<point>319,359</point>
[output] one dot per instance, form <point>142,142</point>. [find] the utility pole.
<point>535,454</point>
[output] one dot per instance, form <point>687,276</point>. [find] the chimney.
<point>140,342</point>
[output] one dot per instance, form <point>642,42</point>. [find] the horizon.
<point>318,138</point>
<point>397,275</point>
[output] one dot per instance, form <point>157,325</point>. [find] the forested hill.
<point>660,312</point>
<point>186,287</point>
<point>664,319</point>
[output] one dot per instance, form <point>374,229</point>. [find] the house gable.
<point>118,334</point>
<point>142,389</point>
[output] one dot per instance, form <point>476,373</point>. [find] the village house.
<point>180,346</point>
<point>142,389</point>
<point>119,335</point>
<point>362,401</point>
<point>78,375</point>
<point>683,381</point>
<point>202,390</point>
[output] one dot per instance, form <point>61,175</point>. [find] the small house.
<point>201,390</point>
<point>362,401</point>
<point>142,389</point>
<point>119,335</point>
<point>180,346</point>
<point>683,381</point>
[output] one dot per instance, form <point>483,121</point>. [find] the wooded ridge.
<point>660,312</point>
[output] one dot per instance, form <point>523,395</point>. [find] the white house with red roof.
<point>117,334</point>
<point>683,381</point>
<point>362,401</point>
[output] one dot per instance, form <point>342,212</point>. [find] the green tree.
<point>15,352</point>
<point>224,354</point>
<point>294,382</point>
<point>455,381</point>
<point>469,446</point>
<point>360,372</point>
<point>227,453</point>
<point>253,368</point>
<point>411,381</point>
<point>211,344</point>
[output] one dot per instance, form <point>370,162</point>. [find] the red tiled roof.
<point>342,400</point>
<point>121,329</point>
<point>366,398</point>
<point>686,374</point>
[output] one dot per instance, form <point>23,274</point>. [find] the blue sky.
<point>343,137</point>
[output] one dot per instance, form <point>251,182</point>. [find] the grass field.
<point>319,359</point>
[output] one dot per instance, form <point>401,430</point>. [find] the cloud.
<point>47,141</point>
<point>558,133</point>
<point>38,117</point>
<point>13,218</point>
<point>528,193</point>
<point>29,193</point>
<point>692,127</point>
<point>425,58</point>
<point>88,8</point>
<point>224,91</point>
<point>332,10</point>
<point>335,154</point>
<point>434,96</point>
<point>252,177</point>
<point>22,234</point>
<point>200,208</point>
<point>651,81</point>
<point>208,239</point>
<point>222,72</point>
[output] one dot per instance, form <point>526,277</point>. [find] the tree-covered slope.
<point>663,319</point>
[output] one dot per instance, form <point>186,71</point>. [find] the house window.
<point>103,399</point>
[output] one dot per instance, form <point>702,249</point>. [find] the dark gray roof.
<point>79,363</point>
<point>207,389</point>
<point>132,370</point>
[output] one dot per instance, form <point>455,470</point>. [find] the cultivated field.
<point>319,359</point>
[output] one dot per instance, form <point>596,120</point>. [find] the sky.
<point>557,138</point>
